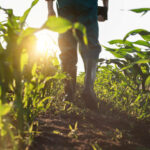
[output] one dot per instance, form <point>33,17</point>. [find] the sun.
<point>46,42</point>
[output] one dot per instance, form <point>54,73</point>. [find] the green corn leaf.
<point>141,10</point>
<point>2,28</point>
<point>115,52</point>
<point>93,147</point>
<point>4,109</point>
<point>121,42</point>
<point>82,28</point>
<point>117,41</point>
<point>27,32</point>
<point>126,46</point>
<point>147,82</point>
<point>118,62</point>
<point>142,54</point>
<point>146,36</point>
<point>142,32</point>
<point>26,13</point>
<point>127,67</point>
<point>7,11</point>
<point>142,43</point>
<point>24,60</point>
<point>142,61</point>
<point>109,49</point>
<point>76,126</point>
<point>117,55</point>
<point>57,24</point>
<point>43,101</point>
<point>70,127</point>
<point>11,20</point>
<point>137,99</point>
<point>126,50</point>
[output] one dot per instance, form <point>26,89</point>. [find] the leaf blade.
<point>57,24</point>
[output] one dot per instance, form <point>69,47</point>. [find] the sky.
<point>120,19</point>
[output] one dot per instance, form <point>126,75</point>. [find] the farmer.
<point>85,12</point>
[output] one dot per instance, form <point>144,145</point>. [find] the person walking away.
<point>87,13</point>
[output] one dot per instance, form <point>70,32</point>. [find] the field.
<point>33,115</point>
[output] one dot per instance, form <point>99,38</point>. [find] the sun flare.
<point>46,42</point>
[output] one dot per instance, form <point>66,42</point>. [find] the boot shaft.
<point>90,73</point>
<point>70,81</point>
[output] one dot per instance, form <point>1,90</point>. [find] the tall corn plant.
<point>10,61</point>
<point>20,84</point>
<point>14,36</point>
<point>133,58</point>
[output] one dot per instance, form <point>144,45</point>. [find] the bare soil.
<point>108,129</point>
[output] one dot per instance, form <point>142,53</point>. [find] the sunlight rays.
<point>47,43</point>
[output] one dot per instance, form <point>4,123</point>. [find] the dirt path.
<point>104,130</point>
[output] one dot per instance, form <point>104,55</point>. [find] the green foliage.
<point>59,24</point>
<point>4,110</point>
<point>82,29</point>
<point>73,131</point>
<point>142,32</point>
<point>124,81</point>
<point>26,13</point>
<point>114,87</point>
<point>29,84</point>
<point>95,146</point>
<point>141,10</point>
<point>133,58</point>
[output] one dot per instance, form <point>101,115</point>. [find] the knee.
<point>68,58</point>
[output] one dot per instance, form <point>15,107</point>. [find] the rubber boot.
<point>69,82</point>
<point>88,94</point>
